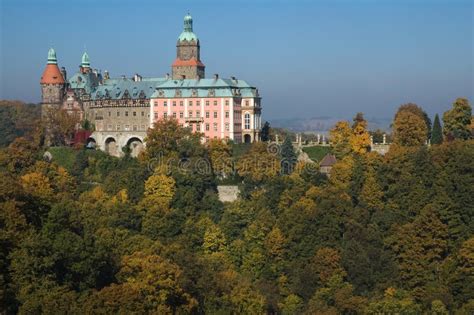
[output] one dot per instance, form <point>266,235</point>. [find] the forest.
<point>383,234</point>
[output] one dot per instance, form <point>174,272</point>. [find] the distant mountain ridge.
<point>322,124</point>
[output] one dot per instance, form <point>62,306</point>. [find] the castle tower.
<point>52,82</point>
<point>188,63</point>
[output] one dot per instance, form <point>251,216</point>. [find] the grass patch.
<point>63,156</point>
<point>316,153</point>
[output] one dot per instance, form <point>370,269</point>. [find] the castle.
<point>122,109</point>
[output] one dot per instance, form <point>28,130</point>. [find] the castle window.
<point>247,120</point>
<point>118,114</point>
<point>190,113</point>
<point>181,103</point>
<point>198,113</point>
<point>110,114</point>
<point>143,114</point>
<point>198,103</point>
<point>174,103</point>
<point>181,115</point>
<point>118,127</point>
<point>207,114</point>
<point>156,115</point>
<point>207,127</point>
<point>134,114</point>
<point>215,126</point>
<point>198,127</point>
<point>215,103</point>
<point>246,103</point>
<point>207,103</point>
<point>165,103</point>
<point>226,126</point>
<point>226,102</point>
<point>156,103</point>
<point>190,103</point>
<point>215,114</point>
<point>174,115</point>
<point>126,114</point>
<point>226,114</point>
<point>165,115</point>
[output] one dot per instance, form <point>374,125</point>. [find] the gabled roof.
<point>328,160</point>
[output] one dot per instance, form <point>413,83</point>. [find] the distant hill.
<point>17,120</point>
<point>323,124</point>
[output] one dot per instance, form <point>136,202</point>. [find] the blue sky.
<point>308,58</point>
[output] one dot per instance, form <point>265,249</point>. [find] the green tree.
<point>437,133</point>
<point>265,132</point>
<point>288,156</point>
<point>457,120</point>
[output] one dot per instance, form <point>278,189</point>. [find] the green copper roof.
<point>52,60</point>
<point>85,61</point>
<point>187,33</point>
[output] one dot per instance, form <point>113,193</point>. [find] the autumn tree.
<point>457,120</point>
<point>220,154</point>
<point>259,163</point>
<point>340,136</point>
<point>360,138</point>
<point>437,132</point>
<point>409,129</point>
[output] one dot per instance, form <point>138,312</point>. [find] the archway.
<point>247,139</point>
<point>91,143</point>
<point>135,145</point>
<point>111,146</point>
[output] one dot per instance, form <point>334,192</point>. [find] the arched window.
<point>247,121</point>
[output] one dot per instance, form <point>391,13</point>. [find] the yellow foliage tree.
<point>220,153</point>
<point>409,129</point>
<point>340,136</point>
<point>37,185</point>
<point>159,191</point>
<point>258,163</point>
<point>360,138</point>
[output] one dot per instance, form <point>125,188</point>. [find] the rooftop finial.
<point>188,23</point>
<point>52,60</point>
<point>85,61</point>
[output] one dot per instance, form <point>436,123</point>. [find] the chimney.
<point>216,76</point>
<point>137,77</point>
<point>167,76</point>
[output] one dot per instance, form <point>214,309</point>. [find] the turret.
<point>85,63</point>
<point>52,81</point>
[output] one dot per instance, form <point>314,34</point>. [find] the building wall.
<point>215,117</point>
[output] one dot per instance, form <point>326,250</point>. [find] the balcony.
<point>191,119</point>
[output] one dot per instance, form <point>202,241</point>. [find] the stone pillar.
<point>319,138</point>
<point>276,139</point>
<point>324,140</point>
<point>384,139</point>
<point>371,140</point>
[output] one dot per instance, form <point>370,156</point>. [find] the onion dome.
<point>85,61</point>
<point>187,33</point>
<point>52,74</point>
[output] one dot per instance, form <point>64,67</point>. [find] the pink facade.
<point>215,117</point>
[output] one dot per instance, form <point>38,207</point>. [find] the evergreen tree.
<point>437,133</point>
<point>288,156</point>
<point>265,132</point>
